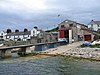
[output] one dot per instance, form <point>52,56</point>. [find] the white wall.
<point>70,36</point>
<point>36,32</point>
<point>33,30</point>
<point>12,38</point>
<point>89,26</point>
<point>3,34</point>
<point>95,27</point>
<point>21,37</point>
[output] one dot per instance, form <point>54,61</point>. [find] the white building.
<point>35,31</point>
<point>17,36</point>
<point>94,25</point>
<point>3,35</point>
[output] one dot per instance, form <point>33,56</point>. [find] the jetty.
<point>37,48</point>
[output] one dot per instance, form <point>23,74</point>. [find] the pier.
<point>38,47</point>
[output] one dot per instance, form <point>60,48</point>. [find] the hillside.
<point>53,30</point>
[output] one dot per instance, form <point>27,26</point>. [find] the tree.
<point>25,30</point>
<point>8,31</point>
<point>16,30</point>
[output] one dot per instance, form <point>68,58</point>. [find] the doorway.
<point>66,35</point>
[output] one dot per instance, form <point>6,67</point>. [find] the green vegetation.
<point>53,30</point>
<point>94,46</point>
<point>91,46</point>
<point>81,46</point>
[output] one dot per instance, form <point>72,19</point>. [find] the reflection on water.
<point>50,66</point>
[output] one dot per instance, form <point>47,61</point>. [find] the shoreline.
<point>71,50</point>
<point>74,50</point>
<point>44,55</point>
<point>84,53</point>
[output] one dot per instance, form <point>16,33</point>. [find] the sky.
<point>20,14</point>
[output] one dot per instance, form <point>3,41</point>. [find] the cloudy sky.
<point>20,14</point>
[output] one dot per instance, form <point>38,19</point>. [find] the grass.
<point>91,46</point>
<point>94,46</point>
<point>53,30</point>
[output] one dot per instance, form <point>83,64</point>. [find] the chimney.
<point>36,27</point>
<point>92,20</point>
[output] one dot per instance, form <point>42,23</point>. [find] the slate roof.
<point>94,22</point>
<point>19,33</point>
<point>72,22</point>
<point>97,22</point>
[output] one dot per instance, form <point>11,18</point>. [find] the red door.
<point>61,34</point>
<point>87,37</point>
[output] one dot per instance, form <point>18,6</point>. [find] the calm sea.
<point>49,66</point>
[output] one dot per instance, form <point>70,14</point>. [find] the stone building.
<point>72,31</point>
<point>42,37</point>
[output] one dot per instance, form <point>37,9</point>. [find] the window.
<point>1,33</point>
<point>71,25</point>
<point>62,26</point>
<point>33,31</point>
<point>91,25</point>
<point>1,36</point>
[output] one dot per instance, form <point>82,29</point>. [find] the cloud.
<point>43,13</point>
<point>23,5</point>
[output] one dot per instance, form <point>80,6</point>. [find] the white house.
<point>3,35</point>
<point>17,36</point>
<point>94,25</point>
<point>35,31</point>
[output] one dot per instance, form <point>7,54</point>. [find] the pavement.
<point>62,49</point>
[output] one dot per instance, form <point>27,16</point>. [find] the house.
<point>43,37</point>
<point>72,31</point>
<point>94,25</point>
<point>18,36</point>
<point>46,37</point>
<point>2,35</point>
<point>31,37</point>
<point>23,35</point>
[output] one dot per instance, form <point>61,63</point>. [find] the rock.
<point>95,43</point>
